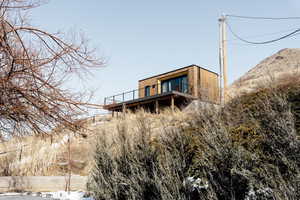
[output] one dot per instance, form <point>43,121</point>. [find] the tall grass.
<point>44,156</point>
<point>135,164</point>
<point>47,155</point>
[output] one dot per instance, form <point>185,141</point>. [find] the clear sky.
<point>140,38</point>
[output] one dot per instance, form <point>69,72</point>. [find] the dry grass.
<point>48,155</point>
<point>249,147</point>
<point>33,156</point>
<point>132,163</point>
<point>248,150</point>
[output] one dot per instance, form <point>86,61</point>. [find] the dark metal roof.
<point>178,70</point>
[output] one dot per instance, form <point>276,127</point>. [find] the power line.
<point>264,35</point>
<point>264,18</point>
<point>265,42</point>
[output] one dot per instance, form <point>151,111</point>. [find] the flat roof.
<point>179,69</point>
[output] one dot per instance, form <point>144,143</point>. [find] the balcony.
<point>149,97</point>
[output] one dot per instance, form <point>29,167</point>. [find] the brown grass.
<point>247,150</point>
<point>48,155</point>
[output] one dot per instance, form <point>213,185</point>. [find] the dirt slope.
<point>277,68</point>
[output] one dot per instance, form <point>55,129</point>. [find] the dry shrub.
<point>247,150</point>
<point>47,155</point>
<point>136,165</point>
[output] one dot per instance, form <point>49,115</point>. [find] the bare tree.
<point>34,65</point>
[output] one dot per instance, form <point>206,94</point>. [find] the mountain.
<point>282,66</point>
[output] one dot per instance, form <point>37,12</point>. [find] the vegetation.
<point>247,150</point>
<point>47,155</point>
<point>250,149</point>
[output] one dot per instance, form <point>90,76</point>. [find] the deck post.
<point>172,103</point>
<point>139,106</point>
<point>156,107</point>
<point>124,108</point>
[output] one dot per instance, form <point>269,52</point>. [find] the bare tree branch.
<point>34,65</point>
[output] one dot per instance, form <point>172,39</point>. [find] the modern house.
<point>175,88</point>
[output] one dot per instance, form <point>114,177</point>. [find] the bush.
<point>139,166</point>
<point>248,150</point>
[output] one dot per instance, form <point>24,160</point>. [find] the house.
<point>175,88</point>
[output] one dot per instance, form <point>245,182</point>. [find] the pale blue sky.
<point>140,38</point>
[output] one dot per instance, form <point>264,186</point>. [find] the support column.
<point>139,107</point>
<point>172,104</point>
<point>156,107</point>
<point>124,108</point>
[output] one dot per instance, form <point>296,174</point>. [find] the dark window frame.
<point>147,91</point>
<point>179,83</point>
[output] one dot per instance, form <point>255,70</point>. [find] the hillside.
<point>248,150</point>
<point>273,70</point>
<point>48,155</point>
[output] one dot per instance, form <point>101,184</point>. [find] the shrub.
<point>137,166</point>
<point>248,150</point>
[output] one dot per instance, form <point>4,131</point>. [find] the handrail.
<point>136,94</point>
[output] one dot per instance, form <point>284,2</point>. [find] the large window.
<point>147,91</point>
<point>179,84</point>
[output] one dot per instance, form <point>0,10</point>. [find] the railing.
<point>140,93</point>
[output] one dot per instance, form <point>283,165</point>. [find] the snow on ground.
<point>60,195</point>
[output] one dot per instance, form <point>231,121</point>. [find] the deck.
<point>153,103</point>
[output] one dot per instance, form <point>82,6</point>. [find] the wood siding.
<point>209,86</point>
<point>203,84</point>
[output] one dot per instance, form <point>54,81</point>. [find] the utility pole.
<point>223,59</point>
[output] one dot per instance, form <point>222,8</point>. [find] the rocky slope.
<point>279,67</point>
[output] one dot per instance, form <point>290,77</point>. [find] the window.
<point>147,91</point>
<point>179,84</point>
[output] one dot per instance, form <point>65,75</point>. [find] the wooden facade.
<point>202,82</point>
<point>191,82</point>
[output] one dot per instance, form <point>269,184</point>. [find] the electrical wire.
<point>264,18</point>
<point>264,35</point>
<point>265,42</point>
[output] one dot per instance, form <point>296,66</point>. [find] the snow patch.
<point>194,184</point>
<point>60,195</point>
